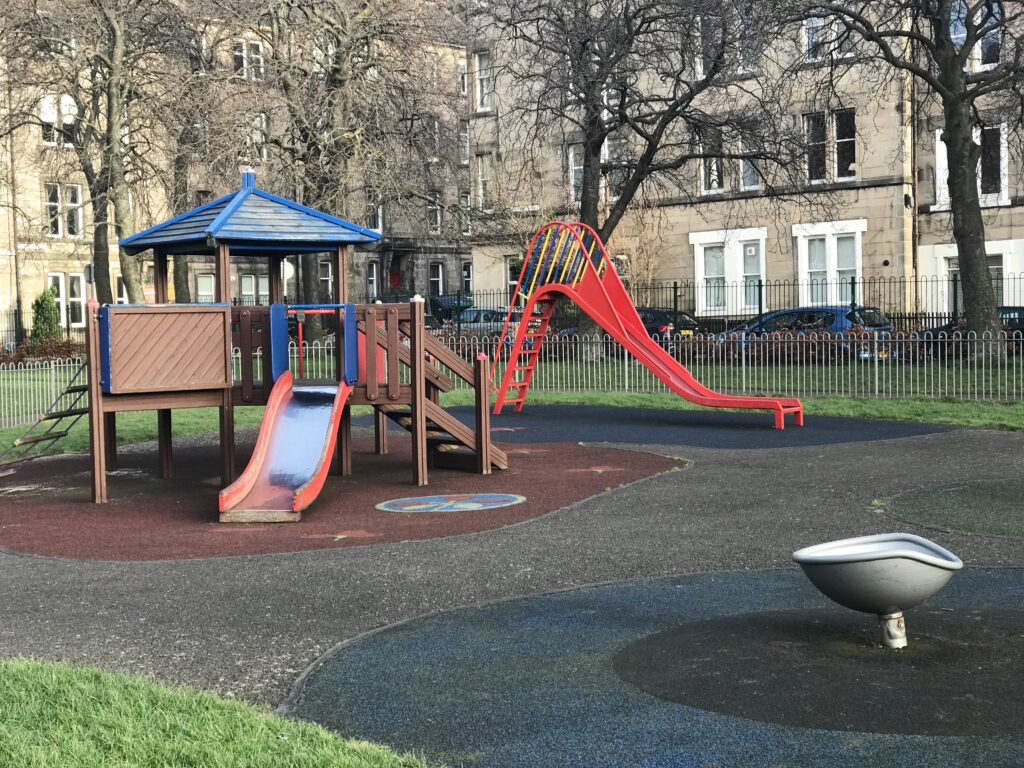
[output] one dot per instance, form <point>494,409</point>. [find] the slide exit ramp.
<point>298,434</point>
<point>568,260</point>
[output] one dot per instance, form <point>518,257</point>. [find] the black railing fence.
<point>910,303</point>
<point>13,332</point>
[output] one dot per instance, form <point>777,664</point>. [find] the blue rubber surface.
<point>529,683</point>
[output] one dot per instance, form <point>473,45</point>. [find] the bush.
<point>46,324</point>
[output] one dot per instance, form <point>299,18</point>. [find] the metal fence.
<point>28,389</point>
<point>911,303</point>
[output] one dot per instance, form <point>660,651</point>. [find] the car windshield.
<point>870,317</point>
<point>470,316</point>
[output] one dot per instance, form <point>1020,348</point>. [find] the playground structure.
<point>165,356</point>
<point>568,260</point>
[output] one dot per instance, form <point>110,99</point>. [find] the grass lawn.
<point>56,716</point>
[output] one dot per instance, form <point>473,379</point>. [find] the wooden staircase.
<point>451,443</point>
<point>62,414</point>
<point>522,361</point>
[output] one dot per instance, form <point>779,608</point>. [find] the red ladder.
<point>522,361</point>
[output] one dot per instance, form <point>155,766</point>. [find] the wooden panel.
<point>169,348</point>
<point>157,400</point>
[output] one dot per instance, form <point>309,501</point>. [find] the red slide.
<point>569,260</point>
<point>292,455</point>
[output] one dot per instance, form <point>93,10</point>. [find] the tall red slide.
<point>292,455</point>
<point>568,259</point>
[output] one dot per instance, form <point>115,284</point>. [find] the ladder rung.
<point>514,400</point>
<point>518,384</point>
<point>64,414</point>
<point>40,438</point>
<point>76,388</point>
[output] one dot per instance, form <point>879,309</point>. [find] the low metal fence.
<point>957,367</point>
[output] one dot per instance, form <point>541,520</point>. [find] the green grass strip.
<point>56,716</point>
<point>991,507</point>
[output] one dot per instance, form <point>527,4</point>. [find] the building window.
<point>58,118</point>
<point>815,38</point>
<point>990,19</point>
<point>846,143</point>
<point>372,280</point>
<point>69,293</point>
<point>434,213</point>
<point>993,166</point>
<point>374,211</point>
<point>711,43</point>
<point>436,278</point>
<point>574,170</point>
<point>467,277</point>
<point>750,173</point>
<point>484,82</point>
<point>263,283</point>
<point>122,291</point>
<point>724,258</point>
<point>829,260</point>
<point>256,142</point>
<point>484,192</point>
<point>460,69</point>
<point>247,59</point>
<point>614,159</point>
<point>465,222</point>
<point>247,288</point>
<point>814,132</point>
<point>712,166</point>
<point>205,293</point>
<point>201,197</point>
<point>325,275</point>
<point>464,142</point>
<point>995,272</point>
<point>750,37</point>
<point>63,209</point>
<point>751,271</point>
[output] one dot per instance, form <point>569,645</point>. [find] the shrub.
<point>46,324</point>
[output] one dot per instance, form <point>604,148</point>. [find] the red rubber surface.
<point>45,508</point>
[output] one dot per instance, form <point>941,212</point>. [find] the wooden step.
<point>40,438</point>
<point>64,414</point>
<point>76,388</point>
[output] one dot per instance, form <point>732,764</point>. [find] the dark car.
<point>750,336</point>
<point>943,340</point>
<point>657,322</point>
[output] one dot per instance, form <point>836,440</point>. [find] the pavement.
<point>248,626</point>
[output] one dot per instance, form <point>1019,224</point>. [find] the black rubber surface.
<point>960,674</point>
<point>706,428</point>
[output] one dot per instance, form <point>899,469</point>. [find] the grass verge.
<point>990,507</point>
<point>56,716</point>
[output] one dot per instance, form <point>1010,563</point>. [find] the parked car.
<point>942,340</point>
<point>483,322</point>
<point>869,323</point>
<point>657,322</point>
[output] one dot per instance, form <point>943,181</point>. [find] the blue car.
<point>825,319</point>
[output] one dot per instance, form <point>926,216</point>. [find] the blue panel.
<point>105,348</point>
<point>279,340</point>
<point>351,345</point>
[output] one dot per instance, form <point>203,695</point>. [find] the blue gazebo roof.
<point>252,222</point>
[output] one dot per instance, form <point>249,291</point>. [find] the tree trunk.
<point>179,204</point>
<point>963,155</point>
<point>100,248</point>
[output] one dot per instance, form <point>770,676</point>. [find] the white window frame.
<point>732,242</point>
<point>835,145</point>
<point>57,280</point>
<point>247,288</point>
<point>65,211</point>
<point>464,142</point>
<point>201,278</point>
<point>462,76</point>
<point>58,113</point>
<point>434,215</point>
<point>942,200</point>
<point>830,231</point>
<point>752,162</point>
<point>465,218</point>
<point>483,67</point>
<point>704,176</point>
<point>328,278</point>
<point>79,278</point>
<point>822,25</point>
<point>467,277</point>
<point>378,213</point>
<point>122,291</point>
<point>263,290</point>
<point>574,167</point>
<point>372,279</point>
<point>252,66</point>
<point>435,276</point>
<point>484,183</point>
<point>824,147</point>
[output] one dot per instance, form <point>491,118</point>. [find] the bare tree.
<point>644,90</point>
<point>968,63</point>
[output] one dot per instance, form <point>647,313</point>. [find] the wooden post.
<point>380,432</point>
<point>163,421</point>
<point>163,416</point>
<point>418,382</point>
<point>97,436</point>
<point>110,438</point>
<point>227,414</point>
<point>274,282</point>
<point>345,441</point>
<point>222,287</point>
<point>483,414</point>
